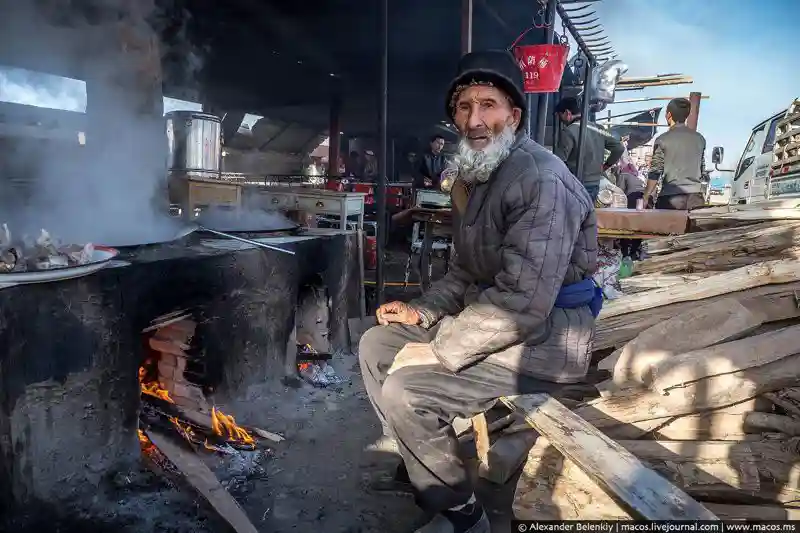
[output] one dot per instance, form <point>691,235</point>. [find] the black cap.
<point>570,103</point>
<point>498,67</point>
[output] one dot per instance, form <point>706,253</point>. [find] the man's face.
<point>565,116</point>
<point>482,113</point>
<point>437,145</point>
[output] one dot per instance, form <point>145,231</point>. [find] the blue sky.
<point>742,53</point>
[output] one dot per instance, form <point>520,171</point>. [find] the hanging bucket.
<point>542,66</point>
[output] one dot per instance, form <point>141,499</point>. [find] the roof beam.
<point>289,31</point>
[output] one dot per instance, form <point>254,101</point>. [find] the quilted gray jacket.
<point>526,232</point>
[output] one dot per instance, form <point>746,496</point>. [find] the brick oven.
<point>203,320</point>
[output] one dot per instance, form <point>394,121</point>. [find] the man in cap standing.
<point>514,314</point>
<point>593,154</point>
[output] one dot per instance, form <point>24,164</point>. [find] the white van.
<point>752,173</point>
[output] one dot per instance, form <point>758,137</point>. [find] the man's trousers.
<point>417,406</point>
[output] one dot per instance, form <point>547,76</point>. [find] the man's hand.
<point>399,312</point>
<point>428,183</point>
<point>414,354</point>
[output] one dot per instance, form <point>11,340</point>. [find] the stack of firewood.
<point>704,387</point>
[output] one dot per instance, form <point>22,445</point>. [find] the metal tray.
<point>100,259</point>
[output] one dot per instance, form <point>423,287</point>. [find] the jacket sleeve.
<point>535,255</point>
<point>656,163</point>
<point>615,147</point>
<point>703,158</point>
<point>565,146</point>
<point>444,297</point>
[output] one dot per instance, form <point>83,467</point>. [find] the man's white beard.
<point>478,165</point>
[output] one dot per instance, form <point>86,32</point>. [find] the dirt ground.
<point>317,479</point>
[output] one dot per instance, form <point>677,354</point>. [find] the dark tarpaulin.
<point>638,135</point>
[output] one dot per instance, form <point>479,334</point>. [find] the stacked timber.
<point>703,359</point>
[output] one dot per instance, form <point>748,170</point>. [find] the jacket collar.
<point>520,137</point>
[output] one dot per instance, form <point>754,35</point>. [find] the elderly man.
<point>515,313</point>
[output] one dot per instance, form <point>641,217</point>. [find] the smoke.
<point>112,190</point>
<point>246,220</point>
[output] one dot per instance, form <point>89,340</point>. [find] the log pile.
<point>703,359</point>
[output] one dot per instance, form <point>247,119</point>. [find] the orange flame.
<point>307,349</point>
<point>225,426</point>
<point>152,387</point>
<point>147,446</point>
<point>185,430</point>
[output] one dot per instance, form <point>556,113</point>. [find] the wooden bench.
<point>644,492</point>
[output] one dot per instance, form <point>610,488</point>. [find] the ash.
<point>133,501</point>
<point>321,374</point>
<point>239,471</point>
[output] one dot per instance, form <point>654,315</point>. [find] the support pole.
<point>584,116</point>
<point>694,114</point>
<point>528,121</point>
<point>383,149</point>
<point>466,26</point>
<point>334,138</point>
<point>557,123</point>
<point>541,113</point>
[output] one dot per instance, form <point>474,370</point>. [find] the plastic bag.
<point>609,262</point>
<point>610,195</point>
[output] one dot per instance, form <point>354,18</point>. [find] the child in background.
<point>632,184</point>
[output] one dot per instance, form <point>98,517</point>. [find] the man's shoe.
<point>441,524</point>
<point>396,483</point>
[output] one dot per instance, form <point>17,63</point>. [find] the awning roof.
<point>284,59</point>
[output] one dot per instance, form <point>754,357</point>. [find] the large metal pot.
<point>195,143</point>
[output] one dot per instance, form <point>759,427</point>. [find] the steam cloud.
<point>112,190</point>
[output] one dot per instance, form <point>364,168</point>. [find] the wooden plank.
<point>481,430</point>
<point>647,494</point>
<point>647,282</point>
<point>695,329</point>
<point>709,393</point>
<point>674,243</point>
<point>766,214</point>
<point>552,487</point>
<point>754,512</point>
<point>206,483</point>
<point>735,356</point>
<point>771,272</point>
<point>764,240</point>
<point>775,302</point>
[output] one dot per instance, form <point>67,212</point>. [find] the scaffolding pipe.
<point>584,117</point>
<point>541,111</point>
<point>383,145</point>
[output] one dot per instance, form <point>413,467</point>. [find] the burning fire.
<point>185,430</point>
<point>225,426</point>
<point>152,386</point>
<point>307,348</point>
<point>147,446</point>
